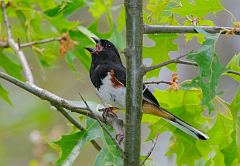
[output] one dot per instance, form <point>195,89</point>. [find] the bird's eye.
<point>109,46</point>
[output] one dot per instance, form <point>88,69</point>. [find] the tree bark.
<point>133,52</point>
<point>152,29</point>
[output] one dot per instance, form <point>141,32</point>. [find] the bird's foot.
<point>108,112</point>
<point>120,138</point>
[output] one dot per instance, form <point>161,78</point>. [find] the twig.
<point>186,62</point>
<point>46,95</point>
<point>102,126</point>
<point>58,101</point>
<point>40,42</point>
<point>150,151</point>
<point>29,44</point>
<point>150,29</point>
<point>14,46</point>
<point>233,72</point>
<point>76,124</point>
<point>176,60</point>
<point>157,82</point>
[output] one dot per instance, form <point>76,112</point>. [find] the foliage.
<point>210,69</point>
<point>72,144</point>
<point>234,65</point>
<point>198,8</point>
<point>160,52</point>
<point>36,20</point>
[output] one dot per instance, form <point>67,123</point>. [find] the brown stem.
<point>150,151</point>
<point>156,82</point>
<point>176,60</point>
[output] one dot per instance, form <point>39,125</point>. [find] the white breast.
<point>111,95</point>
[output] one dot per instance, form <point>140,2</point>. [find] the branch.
<point>40,42</point>
<point>15,47</point>
<point>45,95</point>
<point>233,72</point>
<point>29,44</point>
<point>176,60</point>
<point>57,101</point>
<point>150,29</point>
<point>76,124</point>
<point>102,126</point>
<point>157,82</point>
<point>151,150</point>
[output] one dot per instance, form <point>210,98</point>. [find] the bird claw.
<point>107,112</point>
<point>120,138</point>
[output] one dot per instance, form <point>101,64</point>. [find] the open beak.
<point>96,40</point>
<point>99,47</point>
<point>91,50</point>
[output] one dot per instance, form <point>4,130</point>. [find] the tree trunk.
<point>134,33</point>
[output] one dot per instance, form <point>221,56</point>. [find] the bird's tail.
<point>149,108</point>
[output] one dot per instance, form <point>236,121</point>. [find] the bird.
<point>108,76</point>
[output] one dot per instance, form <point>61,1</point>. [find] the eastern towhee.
<point>108,76</point>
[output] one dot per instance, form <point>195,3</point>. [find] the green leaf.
<point>210,69</point>
<point>121,19</point>
<point>71,144</point>
<point>148,162</point>
<point>184,149</point>
<point>234,65</point>
<point>66,8</point>
<point>232,153</point>
<point>83,37</point>
<point>219,138</point>
<point>62,24</point>
<point>94,29</point>
<point>160,12</point>
<point>117,38</point>
<point>170,99</point>
<point>98,7</point>
<point>163,44</point>
<point>109,154</point>
<point>11,67</point>
<point>189,150</point>
<point>200,37</point>
<point>69,58</point>
<point>198,8</point>
<point>4,95</point>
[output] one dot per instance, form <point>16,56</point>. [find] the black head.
<point>105,50</point>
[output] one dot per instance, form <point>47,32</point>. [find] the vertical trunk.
<point>134,27</point>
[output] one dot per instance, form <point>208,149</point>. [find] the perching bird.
<point>108,76</point>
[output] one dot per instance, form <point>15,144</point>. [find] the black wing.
<point>121,76</point>
<point>101,71</point>
<point>149,96</point>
